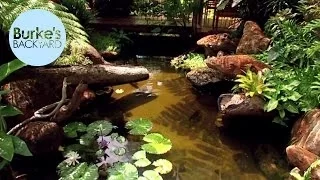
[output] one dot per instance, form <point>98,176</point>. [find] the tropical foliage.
<point>10,145</point>
<point>189,61</point>
<point>101,151</point>
<point>307,173</point>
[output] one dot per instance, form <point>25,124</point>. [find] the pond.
<point>200,150</point>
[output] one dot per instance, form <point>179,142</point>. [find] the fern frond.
<point>10,11</point>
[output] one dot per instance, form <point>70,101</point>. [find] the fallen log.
<point>96,74</point>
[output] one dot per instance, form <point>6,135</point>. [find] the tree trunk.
<point>103,74</point>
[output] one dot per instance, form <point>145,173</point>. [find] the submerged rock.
<point>253,40</point>
<point>271,162</point>
<point>217,42</point>
<point>41,137</point>
<point>233,65</point>
<point>207,78</point>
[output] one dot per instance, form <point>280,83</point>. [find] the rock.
<point>271,162</point>
<point>94,55</point>
<point>109,54</point>
<point>300,157</point>
<point>237,109</point>
<point>306,132</point>
<point>41,137</point>
<point>217,42</point>
<point>253,40</point>
<point>233,65</point>
<point>207,79</point>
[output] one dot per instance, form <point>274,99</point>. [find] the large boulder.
<point>253,40</point>
<point>209,79</point>
<point>237,110</point>
<point>306,132</point>
<point>233,65</point>
<point>217,42</point>
<point>300,157</point>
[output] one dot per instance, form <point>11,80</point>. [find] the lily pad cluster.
<point>101,152</point>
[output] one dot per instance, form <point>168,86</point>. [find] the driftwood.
<point>105,74</point>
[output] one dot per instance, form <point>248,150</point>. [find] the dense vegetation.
<point>292,85</point>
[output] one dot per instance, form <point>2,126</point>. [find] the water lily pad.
<point>71,129</point>
<point>157,144</point>
<point>142,162</point>
<point>123,171</point>
<point>152,175</point>
<point>100,128</point>
<point>139,126</point>
<point>163,166</point>
<point>139,155</point>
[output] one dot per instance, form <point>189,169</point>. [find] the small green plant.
<point>252,84</point>
<point>189,61</point>
<point>80,9</point>
<point>9,144</point>
<point>307,173</point>
<point>99,152</point>
<point>112,42</point>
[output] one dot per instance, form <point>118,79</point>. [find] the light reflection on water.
<point>199,150</point>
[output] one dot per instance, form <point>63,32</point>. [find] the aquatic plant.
<point>307,174</point>
<point>10,144</point>
<point>189,61</point>
<point>100,151</point>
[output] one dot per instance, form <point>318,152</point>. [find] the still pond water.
<point>200,150</point>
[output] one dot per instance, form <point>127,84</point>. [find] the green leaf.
<point>71,129</point>
<point>20,147</point>
<point>3,163</point>
<point>91,173</point>
<point>295,96</point>
<point>86,139</point>
<point>8,111</point>
<point>6,147</point>
<point>142,178</point>
<point>152,175</point>
<point>142,162</point>
<point>163,166</point>
<point>292,108</point>
<point>139,126</point>
<point>139,155</point>
<point>123,171</point>
<point>272,104</point>
<point>157,144</point>
<point>100,128</point>
<point>77,172</point>
<point>10,67</point>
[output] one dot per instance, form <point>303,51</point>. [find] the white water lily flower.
<point>72,158</point>
<point>119,91</point>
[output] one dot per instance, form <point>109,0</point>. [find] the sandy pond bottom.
<point>200,150</point>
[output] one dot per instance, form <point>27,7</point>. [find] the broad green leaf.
<point>86,139</point>
<point>139,126</point>
<point>163,166</point>
<point>100,128</point>
<point>71,129</point>
<point>139,155</point>
<point>8,111</point>
<point>152,175</point>
<point>272,104</point>
<point>3,163</point>
<point>91,173</point>
<point>142,178</point>
<point>282,113</point>
<point>123,171</point>
<point>157,144</point>
<point>144,162</point>
<point>77,172</point>
<point>292,108</point>
<point>10,67</point>
<point>6,147</point>
<point>295,96</point>
<point>3,124</point>
<point>20,147</point>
